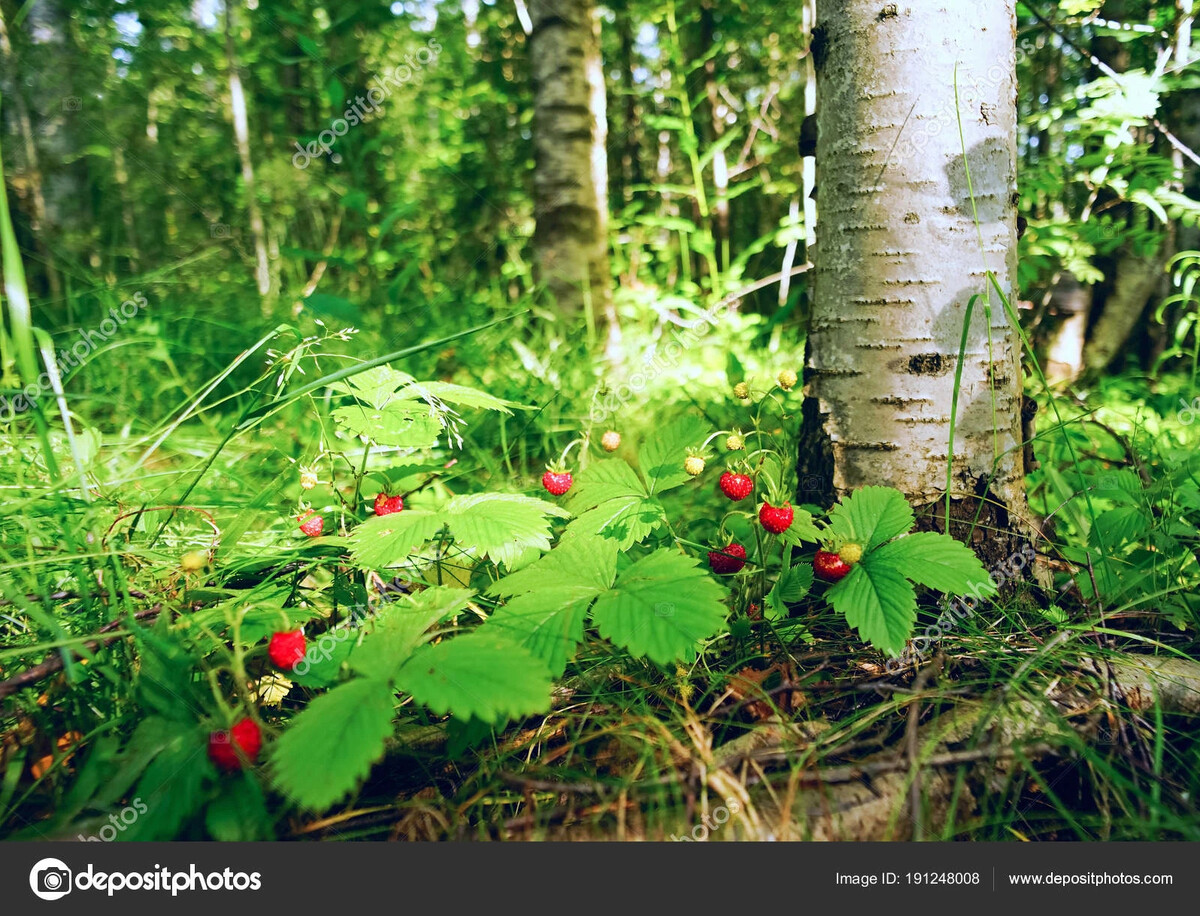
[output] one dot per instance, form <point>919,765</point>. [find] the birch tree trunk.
<point>571,170</point>
<point>14,93</point>
<point>241,133</point>
<point>899,257</point>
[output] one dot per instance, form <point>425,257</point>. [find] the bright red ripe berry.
<point>224,754</point>
<point>727,560</point>
<point>286,649</point>
<point>557,484</point>
<point>829,566</point>
<point>386,505</point>
<point>312,525</point>
<point>736,486</point>
<point>776,519</point>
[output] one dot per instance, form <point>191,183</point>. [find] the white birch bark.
<point>898,254</point>
<point>241,133</point>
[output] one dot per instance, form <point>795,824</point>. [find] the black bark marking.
<point>888,12</point>
<point>808,136</point>
<point>814,457</point>
<point>928,364</point>
<point>912,218</point>
<point>819,46</point>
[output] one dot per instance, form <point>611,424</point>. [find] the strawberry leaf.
<point>448,393</point>
<point>401,424</point>
<point>478,675</point>
<point>502,525</point>
<point>626,521</point>
<point>660,607</point>
<point>400,626</point>
<point>793,583</point>
<point>344,730</point>
<point>548,622</point>
<point>602,481</point>
<point>938,562</point>
<point>581,561</point>
<point>388,540</point>
<point>802,529</point>
<point>661,456</point>
<point>878,601</point>
<point>870,516</point>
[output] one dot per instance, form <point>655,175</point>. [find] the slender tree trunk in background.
<point>1137,278</point>
<point>570,174</point>
<point>716,111</point>
<point>1070,302</point>
<point>899,257</point>
<point>241,132</point>
<point>630,145</point>
<point>14,95</point>
<point>809,166</point>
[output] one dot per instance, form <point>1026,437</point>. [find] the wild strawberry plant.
<point>424,597</point>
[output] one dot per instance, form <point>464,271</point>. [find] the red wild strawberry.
<point>312,525</point>
<point>829,566</point>
<point>221,750</point>
<point>386,505</point>
<point>776,519</point>
<point>736,486</point>
<point>557,483</point>
<point>727,560</point>
<point>286,649</point>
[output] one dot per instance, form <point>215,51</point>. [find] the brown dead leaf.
<point>759,690</point>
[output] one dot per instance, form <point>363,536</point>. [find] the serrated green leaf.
<point>802,529</point>
<point>794,584</point>
<point>583,561</point>
<point>1119,527</point>
<point>333,743</point>
<point>376,386</point>
<point>458,394</point>
<point>660,607</point>
<point>388,540</point>
<point>878,601</point>
<point>399,627</point>
<point>870,516</point>
<point>626,521</point>
<point>661,456</point>
<point>404,424</point>
<point>936,561</point>
<point>502,525</point>
<point>548,622</point>
<point>602,481</point>
<point>477,675</point>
